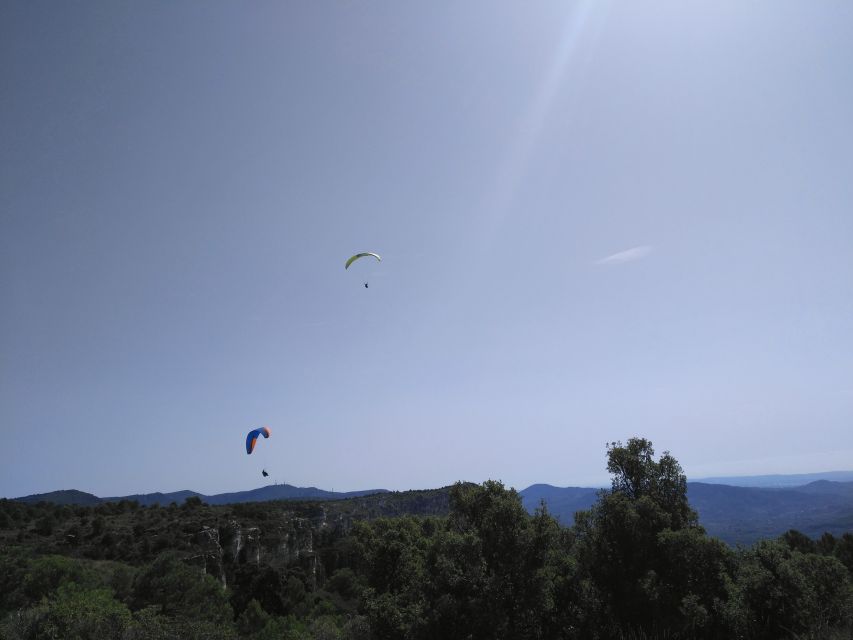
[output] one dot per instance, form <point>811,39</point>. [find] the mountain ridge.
<point>66,496</point>
<point>261,494</point>
<point>735,514</point>
<point>778,479</point>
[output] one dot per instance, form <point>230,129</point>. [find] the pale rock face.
<point>211,554</point>
<point>236,544</point>
<point>252,545</point>
<point>283,542</point>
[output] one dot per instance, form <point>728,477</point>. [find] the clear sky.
<point>597,220</point>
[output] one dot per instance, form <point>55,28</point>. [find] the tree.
<point>45,525</point>
<point>74,613</point>
<point>395,550</point>
<point>826,544</point>
<point>148,624</point>
<point>692,578</point>
<point>253,619</point>
<point>844,551</point>
<point>98,526</point>
<point>180,590</point>
<point>779,593</point>
<point>276,592</point>
<point>191,503</point>
<point>797,541</point>
<point>344,582</point>
<point>620,544</point>
<point>490,570</point>
<point>47,574</point>
<point>636,476</point>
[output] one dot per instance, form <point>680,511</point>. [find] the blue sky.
<point>597,220</point>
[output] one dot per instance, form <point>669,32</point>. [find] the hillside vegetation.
<point>467,562</point>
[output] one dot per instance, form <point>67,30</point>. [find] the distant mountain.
<point>736,515</point>
<point>262,494</point>
<point>163,499</point>
<point>826,487</point>
<point>67,496</point>
<point>562,502</point>
<point>286,492</point>
<point>742,515</point>
<point>789,480</point>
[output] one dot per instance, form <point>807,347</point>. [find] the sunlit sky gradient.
<point>597,220</point>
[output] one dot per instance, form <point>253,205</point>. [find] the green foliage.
<point>253,620</point>
<point>638,477</point>
<point>633,544</point>
<point>45,525</point>
<point>826,544</point>
<point>797,541</point>
<point>844,551</point>
<point>181,590</point>
<point>691,581</point>
<point>779,592</point>
<point>14,565</point>
<point>325,628</point>
<point>149,624</point>
<point>73,613</point>
<point>98,526</point>
<point>345,582</point>
<point>472,564</point>
<point>356,628</point>
<point>193,502</point>
<point>47,574</point>
<point>120,578</point>
<point>276,592</point>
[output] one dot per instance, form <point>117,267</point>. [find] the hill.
<point>261,494</point>
<point>64,497</point>
<point>562,502</point>
<point>286,492</point>
<point>736,515</point>
<point>742,515</point>
<point>779,480</point>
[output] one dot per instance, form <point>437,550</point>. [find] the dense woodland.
<point>469,563</point>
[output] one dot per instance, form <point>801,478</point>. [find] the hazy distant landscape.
<point>302,563</point>
<point>780,480</point>
<point>738,510</point>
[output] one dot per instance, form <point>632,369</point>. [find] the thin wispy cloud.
<point>629,255</point>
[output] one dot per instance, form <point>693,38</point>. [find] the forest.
<point>469,563</point>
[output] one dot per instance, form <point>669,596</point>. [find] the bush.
<point>344,582</point>
<point>47,574</point>
<point>74,613</point>
<point>180,590</point>
<point>45,524</point>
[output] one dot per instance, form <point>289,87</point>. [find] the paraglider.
<point>252,437</point>
<point>252,440</point>
<point>362,255</point>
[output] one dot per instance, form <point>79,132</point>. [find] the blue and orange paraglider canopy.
<point>253,435</point>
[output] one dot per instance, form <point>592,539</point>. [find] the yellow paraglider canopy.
<point>361,255</point>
